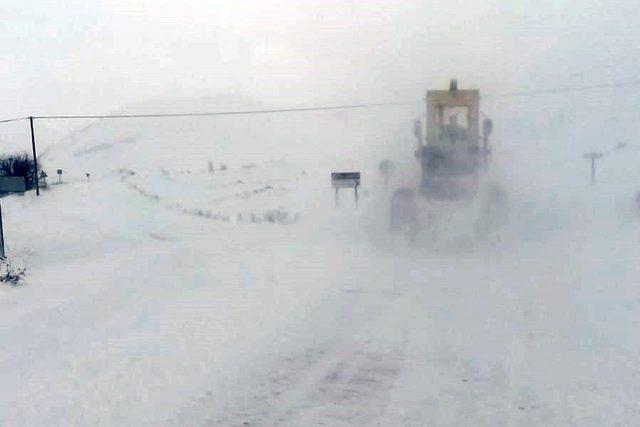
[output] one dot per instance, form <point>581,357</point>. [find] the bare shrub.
<point>10,275</point>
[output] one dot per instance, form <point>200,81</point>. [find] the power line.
<point>632,83</point>
<point>617,85</point>
<point>13,120</point>
<point>230,113</point>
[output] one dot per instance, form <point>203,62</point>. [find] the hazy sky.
<point>93,56</point>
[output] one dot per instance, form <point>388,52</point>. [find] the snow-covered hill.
<point>352,137</point>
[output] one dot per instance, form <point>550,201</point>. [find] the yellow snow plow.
<point>453,195</point>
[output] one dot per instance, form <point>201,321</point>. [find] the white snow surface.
<point>158,293</point>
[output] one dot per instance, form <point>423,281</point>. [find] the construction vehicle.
<point>454,195</point>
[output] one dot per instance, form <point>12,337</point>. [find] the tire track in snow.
<point>349,386</point>
<point>338,369</point>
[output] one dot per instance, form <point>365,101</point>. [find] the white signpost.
<point>345,180</point>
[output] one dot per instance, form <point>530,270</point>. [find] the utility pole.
<point>593,156</point>
<point>35,157</point>
<point>2,254</point>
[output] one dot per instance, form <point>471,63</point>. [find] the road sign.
<point>12,184</point>
<point>345,179</point>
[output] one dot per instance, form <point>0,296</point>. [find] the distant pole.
<point>35,157</point>
<point>2,255</point>
<point>356,193</point>
<point>593,156</point>
<point>336,197</point>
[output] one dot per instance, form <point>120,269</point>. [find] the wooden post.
<point>2,255</point>
<point>355,188</point>
<point>593,156</point>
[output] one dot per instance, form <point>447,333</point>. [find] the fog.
<point>203,271</point>
<point>96,56</point>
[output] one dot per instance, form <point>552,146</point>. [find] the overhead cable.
<point>565,89</point>
<point>228,113</point>
<point>13,120</point>
<point>632,83</point>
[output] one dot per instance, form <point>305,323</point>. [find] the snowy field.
<point>158,293</point>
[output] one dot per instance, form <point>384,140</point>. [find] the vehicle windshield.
<point>453,125</point>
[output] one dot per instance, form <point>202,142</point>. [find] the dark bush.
<point>10,275</point>
<point>18,165</point>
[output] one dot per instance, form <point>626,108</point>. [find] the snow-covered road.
<point>138,313</point>
<point>417,340</point>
